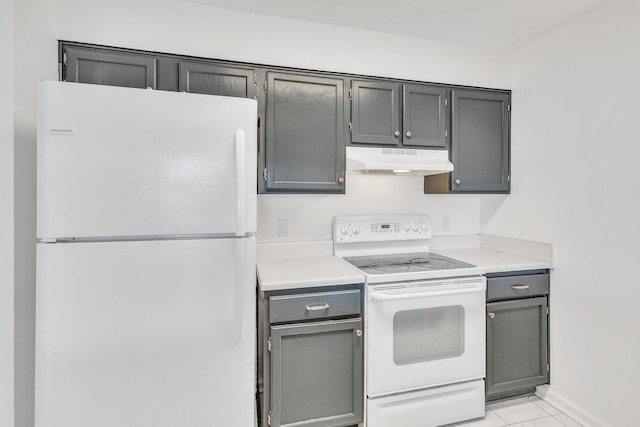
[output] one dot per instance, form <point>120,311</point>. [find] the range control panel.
<point>378,228</point>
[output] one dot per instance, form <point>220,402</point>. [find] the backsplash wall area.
<point>309,217</point>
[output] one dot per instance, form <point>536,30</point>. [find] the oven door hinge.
<point>269,418</point>
<point>269,344</point>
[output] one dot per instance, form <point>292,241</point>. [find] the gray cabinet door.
<point>109,68</point>
<point>317,374</point>
<point>213,79</point>
<point>375,112</point>
<point>480,141</point>
<point>424,118</point>
<point>517,352</point>
<point>305,133</point>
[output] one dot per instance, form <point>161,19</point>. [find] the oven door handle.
<point>382,296</point>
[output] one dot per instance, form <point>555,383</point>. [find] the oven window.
<point>428,334</point>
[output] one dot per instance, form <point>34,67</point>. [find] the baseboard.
<point>579,414</point>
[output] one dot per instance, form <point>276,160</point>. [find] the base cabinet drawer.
<point>517,286</point>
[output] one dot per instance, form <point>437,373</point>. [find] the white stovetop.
<point>309,264</point>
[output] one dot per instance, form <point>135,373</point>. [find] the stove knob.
<point>414,227</point>
<point>407,226</point>
<point>344,229</point>
<point>424,226</point>
<point>355,228</point>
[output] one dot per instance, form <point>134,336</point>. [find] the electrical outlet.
<point>446,223</point>
<point>283,228</point>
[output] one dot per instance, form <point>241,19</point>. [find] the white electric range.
<point>424,322</point>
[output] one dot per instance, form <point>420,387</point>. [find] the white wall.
<point>576,147</point>
<point>35,58</point>
<point>188,28</point>
<point>6,217</point>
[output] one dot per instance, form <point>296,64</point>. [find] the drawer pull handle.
<point>317,307</point>
<point>520,287</point>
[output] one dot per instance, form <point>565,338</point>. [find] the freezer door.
<point>116,161</point>
<point>146,334</point>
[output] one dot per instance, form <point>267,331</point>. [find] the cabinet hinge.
<point>269,418</point>
<point>350,127</point>
<point>269,344</point>
<point>548,368</point>
<point>264,175</point>
<point>255,80</point>
<point>446,133</point>
<point>265,86</point>
<point>446,102</point>
<point>508,178</point>
<point>350,94</point>
<point>509,107</point>
<point>547,311</point>
<point>64,58</point>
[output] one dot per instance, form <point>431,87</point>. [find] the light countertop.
<point>293,265</point>
<point>493,261</point>
<point>292,272</point>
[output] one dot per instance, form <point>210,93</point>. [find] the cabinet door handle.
<point>396,133</point>
<point>408,134</point>
<point>457,181</point>
<point>358,332</point>
<point>491,315</point>
<point>520,287</point>
<point>317,307</point>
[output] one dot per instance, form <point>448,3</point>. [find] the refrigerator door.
<point>150,333</point>
<point>116,162</point>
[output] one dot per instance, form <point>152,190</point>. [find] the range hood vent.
<point>398,161</point>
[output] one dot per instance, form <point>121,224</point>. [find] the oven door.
<point>424,334</point>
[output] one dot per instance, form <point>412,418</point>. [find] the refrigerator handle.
<point>241,183</point>
<point>239,291</point>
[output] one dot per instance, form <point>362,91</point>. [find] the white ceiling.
<point>489,23</point>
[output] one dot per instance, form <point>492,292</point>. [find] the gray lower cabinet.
<point>517,334</point>
<point>305,133</point>
<point>311,366</point>
<point>113,68</point>
<point>212,79</point>
<point>392,113</point>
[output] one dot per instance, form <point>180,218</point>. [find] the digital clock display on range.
<point>385,226</point>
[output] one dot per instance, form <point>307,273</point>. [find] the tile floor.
<point>521,412</point>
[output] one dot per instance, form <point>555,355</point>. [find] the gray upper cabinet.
<point>305,133</point>
<point>480,141</point>
<point>211,79</point>
<point>391,113</point>
<point>110,68</point>
<point>375,112</point>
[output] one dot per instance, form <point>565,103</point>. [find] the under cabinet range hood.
<point>398,161</point>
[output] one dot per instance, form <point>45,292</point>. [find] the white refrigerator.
<point>146,217</point>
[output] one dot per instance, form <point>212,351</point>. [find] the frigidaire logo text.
<point>62,131</point>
